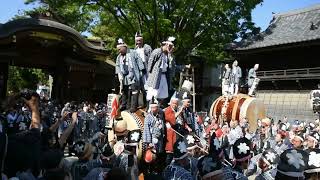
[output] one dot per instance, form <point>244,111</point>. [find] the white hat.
<point>185,96</point>
<point>169,40</point>
<point>121,43</point>
<point>138,35</point>
<point>174,97</point>
<point>154,102</point>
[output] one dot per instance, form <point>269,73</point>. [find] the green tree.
<point>202,27</point>
<point>21,78</point>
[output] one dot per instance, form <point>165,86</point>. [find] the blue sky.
<point>261,15</point>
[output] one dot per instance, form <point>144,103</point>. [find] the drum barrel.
<point>238,108</point>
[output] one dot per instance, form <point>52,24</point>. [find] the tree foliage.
<point>202,27</point>
<point>21,78</point>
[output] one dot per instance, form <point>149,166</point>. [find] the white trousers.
<point>160,93</point>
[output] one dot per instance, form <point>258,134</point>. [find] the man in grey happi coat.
<point>252,75</point>
<point>226,80</point>
<point>161,69</point>
<point>154,135</point>
<point>154,128</point>
<point>130,69</point>
<point>236,74</point>
<point>144,51</point>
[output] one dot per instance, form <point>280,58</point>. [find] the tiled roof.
<point>286,28</point>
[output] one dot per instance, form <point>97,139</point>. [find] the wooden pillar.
<point>4,67</point>
<point>60,83</point>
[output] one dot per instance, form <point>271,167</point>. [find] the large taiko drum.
<point>133,121</point>
<point>238,108</point>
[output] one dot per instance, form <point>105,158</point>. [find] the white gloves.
<point>168,125</point>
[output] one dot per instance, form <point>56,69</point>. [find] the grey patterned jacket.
<point>147,52</point>
<point>251,75</point>
<point>235,77</point>
<point>154,70</point>
<point>134,73</point>
<point>230,174</point>
<point>154,128</point>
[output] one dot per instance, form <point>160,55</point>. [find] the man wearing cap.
<point>108,159</point>
<point>210,168</point>
<point>176,170</point>
<point>127,160</point>
<point>107,156</point>
<point>217,154</point>
<point>192,148</point>
<point>188,116</point>
<point>312,171</point>
<point>129,69</point>
<point>242,154</point>
<point>154,131</point>
<point>144,51</point>
<point>292,164</point>
<point>84,151</point>
<point>161,68</point>
<point>267,163</point>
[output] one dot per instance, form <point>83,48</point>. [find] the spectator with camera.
<point>22,149</point>
<point>48,134</point>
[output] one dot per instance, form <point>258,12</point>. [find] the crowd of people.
<point>41,139</point>
<point>48,141</point>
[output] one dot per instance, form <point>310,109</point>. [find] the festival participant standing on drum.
<point>226,80</point>
<point>154,134</point>
<point>130,69</point>
<point>252,75</point>
<point>160,67</point>
<point>236,74</point>
<point>144,51</point>
<point>253,80</point>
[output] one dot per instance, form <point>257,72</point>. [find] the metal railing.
<point>304,73</point>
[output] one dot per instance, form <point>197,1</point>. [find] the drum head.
<point>134,121</point>
<point>255,111</point>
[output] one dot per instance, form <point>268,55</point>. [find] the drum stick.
<point>196,145</point>
<point>200,139</point>
<point>177,132</point>
<point>203,149</point>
